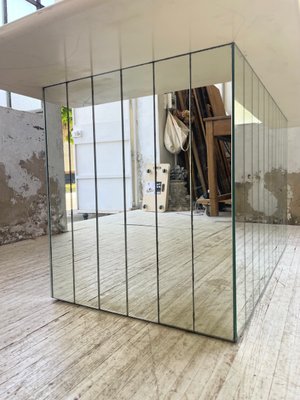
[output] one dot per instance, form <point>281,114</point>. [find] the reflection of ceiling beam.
<point>36,3</point>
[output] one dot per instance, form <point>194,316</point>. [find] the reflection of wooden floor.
<point>212,269</point>
<point>54,350</point>
<point>258,250</point>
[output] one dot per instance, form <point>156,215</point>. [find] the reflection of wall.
<point>294,176</point>
<point>143,150</point>
<point>56,169</point>
<point>142,144</point>
<point>260,187</point>
<point>23,212</point>
<point>226,94</point>
<point>108,127</point>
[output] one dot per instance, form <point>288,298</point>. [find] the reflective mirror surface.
<point>260,187</point>
<point>150,225</point>
<point>60,221</point>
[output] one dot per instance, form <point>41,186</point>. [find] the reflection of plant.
<point>67,123</point>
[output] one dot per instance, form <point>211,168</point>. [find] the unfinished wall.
<point>294,176</point>
<point>23,200</point>
<point>270,186</point>
<point>259,174</point>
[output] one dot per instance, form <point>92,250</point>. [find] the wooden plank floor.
<point>213,287</point>
<point>54,350</point>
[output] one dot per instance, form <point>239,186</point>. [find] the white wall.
<point>139,151</point>
<point>108,126</point>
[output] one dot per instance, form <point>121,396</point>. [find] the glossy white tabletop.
<point>75,38</point>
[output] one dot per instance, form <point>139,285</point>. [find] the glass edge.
<point>48,193</point>
<point>234,273</point>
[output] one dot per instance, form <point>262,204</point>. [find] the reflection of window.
<point>20,8</point>
<point>17,9</point>
<point>244,116</point>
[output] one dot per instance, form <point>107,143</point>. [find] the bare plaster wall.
<point>23,199</point>
<point>294,176</point>
<point>260,186</point>
<point>253,189</point>
<point>56,169</point>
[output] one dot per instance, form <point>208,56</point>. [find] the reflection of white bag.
<point>176,134</point>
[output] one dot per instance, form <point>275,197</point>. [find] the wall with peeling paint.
<point>23,199</point>
<point>56,170</point>
<point>294,176</point>
<point>259,175</point>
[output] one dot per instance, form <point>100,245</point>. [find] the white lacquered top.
<point>76,38</point>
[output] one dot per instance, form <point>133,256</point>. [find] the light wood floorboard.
<point>54,350</point>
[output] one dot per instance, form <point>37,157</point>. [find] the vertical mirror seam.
<point>48,194</point>
<point>71,191</point>
<point>155,192</point>
<point>96,191</point>
<point>233,194</point>
<point>191,142</point>
<point>124,188</point>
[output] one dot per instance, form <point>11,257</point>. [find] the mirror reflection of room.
<point>148,196</point>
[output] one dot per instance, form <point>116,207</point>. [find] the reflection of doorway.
<point>138,146</point>
<point>71,199</point>
<point>69,164</point>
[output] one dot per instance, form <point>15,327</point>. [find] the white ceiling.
<point>76,38</point>
<point>207,68</point>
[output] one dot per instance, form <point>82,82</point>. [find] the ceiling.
<point>75,38</point>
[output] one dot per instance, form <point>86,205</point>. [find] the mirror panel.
<point>212,223</point>
<point>59,160</point>
<point>254,196</point>
<point>249,282</point>
<point>141,218</point>
<point>84,216</point>
<point>113,191</point>
<point>260,191</point>
<point>174,226</point>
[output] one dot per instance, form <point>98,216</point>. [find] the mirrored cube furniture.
<point>185,268</point>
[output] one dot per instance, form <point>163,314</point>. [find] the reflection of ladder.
<point>216,128</point>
